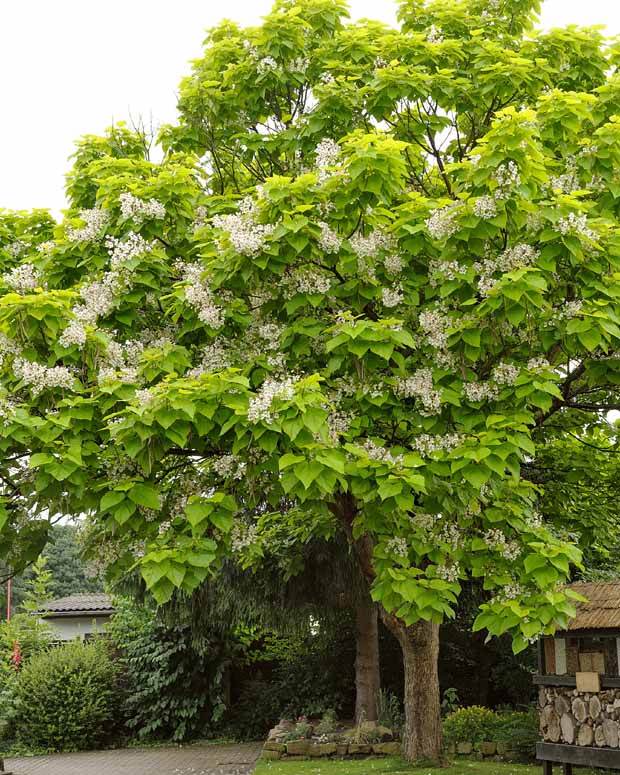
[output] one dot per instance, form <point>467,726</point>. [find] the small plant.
<point>327,724</point>
<point>450,701</point>
<point>301,731</point>
<point>389,711</point>
<point>470,725</point>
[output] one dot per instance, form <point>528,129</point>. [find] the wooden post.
<point>568,768</point>
<point>547,768</point>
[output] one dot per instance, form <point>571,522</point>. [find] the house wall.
<point>70,627</point>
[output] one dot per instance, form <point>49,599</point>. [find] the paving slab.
<point>179,760</point>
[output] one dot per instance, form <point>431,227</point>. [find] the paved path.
<point>187,760</point>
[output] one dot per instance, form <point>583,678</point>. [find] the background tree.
<point>420,277</point>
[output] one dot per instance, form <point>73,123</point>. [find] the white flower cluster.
<point>570,310</point>
<point>369,246</point>
<point>426,444</point>
<point>480,391</point>
<point>327,153</point>
<point>338,423</point>
<point>511,592</point>
<point>507,177</point>
<point>144,397</point>
<point>229,466</point>
<point>310,281</point>
<point>215,357</point>
<point>74,334</point>
<point>575,223</point>
<point>260,407</point>
<point>381,454</point>
<point>329,241</point>
<point>266,65</point>
<point>505,374</point>
<point>16,248</point>
<point>270,335</point>
<point>392,297</point>
<point>434,35</point>
<point>441,270</point>
<point>199,296</point>
<point>442,223</point>
<point>45,248</point>
<point>8,347</point>
<point>23,278</point>
<point>41,377</point>
<point>393,264</point>
<point>449,573</point>
<point>121,251</point>
<point>424,522</point>
<point>243,536</point>
<point>398,546</point>
<point>246,235</point>
<point>122,361</point>
<point>497,541</point>
<point>95,221</point>
<point>100,297</point>
<point>568,181</point>
<point>7,410</point>
<point>538,364</point>
<point>435,325</point>
<point>485,207</point>
<point>512,258</point>
<point>420,385</point>
<point>137,210</point>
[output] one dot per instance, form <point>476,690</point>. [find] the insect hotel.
<point>579,685</point>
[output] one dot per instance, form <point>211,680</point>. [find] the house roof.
<point>78,605</point>
<point>602,610</point>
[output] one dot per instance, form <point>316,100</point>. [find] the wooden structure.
<point>579,685</point>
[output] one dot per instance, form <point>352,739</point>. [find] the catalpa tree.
<point>370,268</point>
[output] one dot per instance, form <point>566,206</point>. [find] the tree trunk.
<point>367,678</point>
<point>420,647</point>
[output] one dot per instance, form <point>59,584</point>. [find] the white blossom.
<point>520,255</point>
<point>74,334</point>
<point>199,296</point>
<point>442,223</point>
<point>243,536</point>
<point>568,181</point>
<point>368,246</point>
<point>393,264</point>
<point>40,377</point>
<point>434,35</point>
<point>327,154</point>
<point>538,364</point>
<point>329,241</point>
<point>266,65</point>
<point>485,207</point>
<point>435,325</point>
<point>497,541</point>
<point>121,251</point>
<point>398,546</point>
<point>16,248</point>
<point>215,357</point>
<point>137,210</point>
<point>392,297</point>
<point>480,391</point>
<point>381,454</point>
<point>420,385</point>
<point>441,270</point>
<point>507,177</point>
<point>144,397</point>
<point>229,466</point>
<point>576,223</point>
<point>23,278</point>
<point>95,221</point>
<point>449,573</point>
<point>260,407</point>
<point>426,444</point>
<point>246,235</point>
<point>505,374</point>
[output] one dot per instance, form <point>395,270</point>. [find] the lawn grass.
<point>395,766</point>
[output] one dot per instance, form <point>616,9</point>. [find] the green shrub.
<point>521,730</point>
<point>470,725</point>
<point>390,711</point>
<point>173,684</point>
<point>66,699</point>
<point>32,635</point>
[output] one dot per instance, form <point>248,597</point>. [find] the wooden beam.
<point>582,756</point>
<point>570,680</point>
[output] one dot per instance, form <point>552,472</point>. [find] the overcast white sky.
<point>71,67</point>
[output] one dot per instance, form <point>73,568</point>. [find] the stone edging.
<point>307,749</point>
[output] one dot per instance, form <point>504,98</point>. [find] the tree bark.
<point>367,678</point>
<point>420,647</point>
